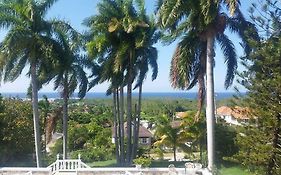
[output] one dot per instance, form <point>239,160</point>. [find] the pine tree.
<point>260,143</point>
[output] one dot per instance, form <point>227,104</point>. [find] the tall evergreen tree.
<point>260,144</point>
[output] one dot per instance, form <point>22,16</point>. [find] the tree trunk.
<point>122,145</point>
<point>129,122</point>
<point>115,125</point>
<point>129,109</point>
<point>201,96</point>
<point>276,147</point>
<point>65,118</point>
<point>136,138</point>
<point>37,136</point>
<point>175,154</point>
<point>210,102</point>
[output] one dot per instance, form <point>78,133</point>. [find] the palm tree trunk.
<point>65,121</point>
<point>175,154</point>
<point>129,109</point>
<point>129,122</point>
<point>37,135</point>
<point>210,102</point>
<point>115,99</point>
<point>122,145</point>
<point>136,138</point>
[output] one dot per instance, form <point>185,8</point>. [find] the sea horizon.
<point>100,95</point>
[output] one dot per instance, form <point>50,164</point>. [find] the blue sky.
<point>75,11</point>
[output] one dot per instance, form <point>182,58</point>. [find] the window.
<point>144,140</point>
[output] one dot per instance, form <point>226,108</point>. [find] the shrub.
<point>143,161</point>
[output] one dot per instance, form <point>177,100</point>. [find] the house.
<point>145,136</point>
<point>233,115</point>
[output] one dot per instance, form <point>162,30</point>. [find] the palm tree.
<point>117,32</point>
<point>69,72</point>
<point>28,41</point>
<point>171,135</point>
<point>199,25</point>
<point>147,57</point>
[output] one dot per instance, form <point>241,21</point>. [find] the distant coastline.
<point>101,95</point>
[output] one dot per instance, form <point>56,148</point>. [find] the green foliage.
<point>56,149</point>
<point>260,144</point>
<point>89,133</point>
<point>90,154</point>
<point>143,161</point>
<point>16,125</point>
<point>225,142</point>
<point>159,153</point>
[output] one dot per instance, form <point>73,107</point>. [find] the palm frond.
<point>230,58</point>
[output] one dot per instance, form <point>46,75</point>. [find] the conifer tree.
<point>260,143</point>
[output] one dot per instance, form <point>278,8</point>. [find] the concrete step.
<point>65,173</point>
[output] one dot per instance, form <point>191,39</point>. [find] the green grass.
<point>228,169</point>
<point>236,170</point>
<point>107,163</point>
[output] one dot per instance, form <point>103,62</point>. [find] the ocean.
<point>100,95</point>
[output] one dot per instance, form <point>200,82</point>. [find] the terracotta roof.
<point>237,112</point>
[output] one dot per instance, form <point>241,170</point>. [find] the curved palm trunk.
<point>65,118</point>
<point>210,102</point>
<point>37,136</point>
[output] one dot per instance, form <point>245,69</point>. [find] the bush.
<point>143,161</point>
<point>93,154</point>
<point>159,153</point>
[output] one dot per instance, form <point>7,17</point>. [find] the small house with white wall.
<point>233,115</point>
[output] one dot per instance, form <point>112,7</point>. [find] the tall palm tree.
<point>199,25</point>
<point>28,41</point>
<point>69,72</point>
<point>146,57</point>
<point>118,31</point>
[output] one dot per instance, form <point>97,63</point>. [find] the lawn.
<point>107,163</point>
<point>229,170</point>
<point>235,170</point>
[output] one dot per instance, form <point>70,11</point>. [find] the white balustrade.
<point>69,165</point>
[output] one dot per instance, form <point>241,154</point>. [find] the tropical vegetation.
<point>260,144</point>
<point>199,26</point>
<point>119,48</point>
<point>121,40</point>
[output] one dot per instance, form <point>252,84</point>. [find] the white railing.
<point>69,165</point>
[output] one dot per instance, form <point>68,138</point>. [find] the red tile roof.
<point>237,112</point>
